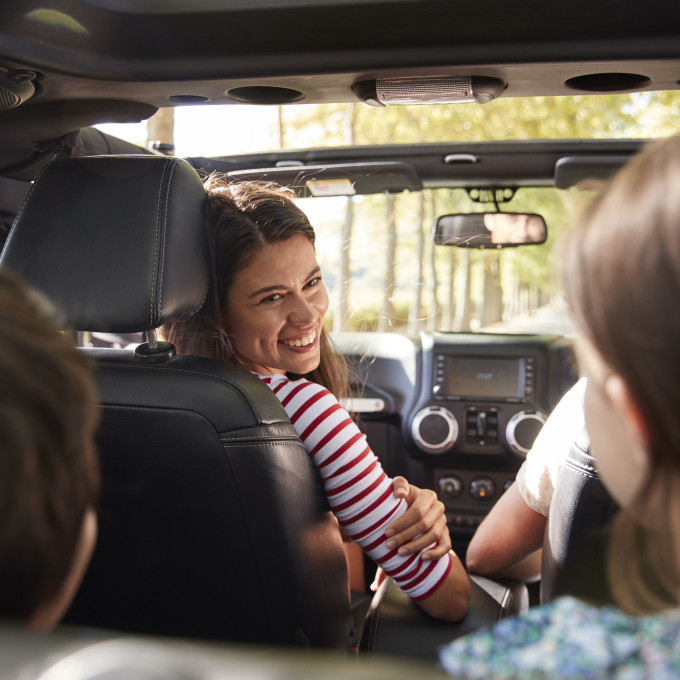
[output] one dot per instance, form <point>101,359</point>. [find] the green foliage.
<point>641,114</point>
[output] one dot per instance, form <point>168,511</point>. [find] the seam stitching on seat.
<point>260,437</point>
<point>172,167</point>
<point>155,251</point>
<point>586,474</point>
<point>228,445</point>
<point>581,468</point>
<point>17,219</point>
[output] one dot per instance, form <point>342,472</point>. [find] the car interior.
<point>214,531</point>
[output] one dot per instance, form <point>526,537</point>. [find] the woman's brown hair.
<point>49,474</point>
<point>243,217</point>
<point>622,280</point>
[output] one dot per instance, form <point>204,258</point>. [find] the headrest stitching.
<point>152,319</point>
<point>23,204</point>
<point>172,167</point>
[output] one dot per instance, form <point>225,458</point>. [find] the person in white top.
<point>265,311</point>
<point>537,477</point>
<point>507,543</point>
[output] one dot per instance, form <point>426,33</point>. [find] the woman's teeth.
<point>301,342</point>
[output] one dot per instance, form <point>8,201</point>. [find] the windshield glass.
<point>384,272</point>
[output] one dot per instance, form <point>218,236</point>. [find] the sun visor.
<point>571,170</point>
<point>341,179</point>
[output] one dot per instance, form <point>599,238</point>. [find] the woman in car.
<point>622,279</point>
<point>265,312</point>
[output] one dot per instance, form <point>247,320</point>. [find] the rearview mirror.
<point>490,230</point>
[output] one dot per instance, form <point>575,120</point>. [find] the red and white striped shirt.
<point>358,490</point>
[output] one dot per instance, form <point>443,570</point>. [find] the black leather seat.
<point>213,522</point>
<point>575,540</point>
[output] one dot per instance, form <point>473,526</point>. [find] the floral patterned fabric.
<point>570,639</point>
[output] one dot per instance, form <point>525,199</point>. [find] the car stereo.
<point>484,378</point>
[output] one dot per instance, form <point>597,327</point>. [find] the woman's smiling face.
<point>275,309</point>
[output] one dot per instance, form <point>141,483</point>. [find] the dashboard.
<point>456,413</point>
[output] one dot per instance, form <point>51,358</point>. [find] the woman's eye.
<point>272,298</point>
<point>316,280</point>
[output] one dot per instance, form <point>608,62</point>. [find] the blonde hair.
<point>622,280</point>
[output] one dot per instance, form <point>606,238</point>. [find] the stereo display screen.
<point>488,377</point>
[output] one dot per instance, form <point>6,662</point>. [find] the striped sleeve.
<point>358,490</point>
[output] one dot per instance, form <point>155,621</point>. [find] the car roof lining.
<point>109,37</point>
<point>117,49</point>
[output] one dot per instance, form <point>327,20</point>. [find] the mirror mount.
<point>495,195</point>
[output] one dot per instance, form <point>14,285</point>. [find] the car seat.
<point>575,540</point>
<point>213,522</point>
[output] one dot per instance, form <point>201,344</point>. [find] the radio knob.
<point>522,430</point>
<point>482,487</point>
<point>434,429</point>
<point>450,487</point>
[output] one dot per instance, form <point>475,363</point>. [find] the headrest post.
<point>151,339</point>
<point>152,350</point>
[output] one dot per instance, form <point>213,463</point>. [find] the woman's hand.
<point>421,525</point>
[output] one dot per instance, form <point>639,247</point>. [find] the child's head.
<point>622,278</point>
<point>49,475</point>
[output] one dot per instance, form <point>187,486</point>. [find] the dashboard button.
<point>450,487</point>
<point>482,488</point>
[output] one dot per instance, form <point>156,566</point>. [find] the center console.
<point>483,400</point>
<point>457,412</point>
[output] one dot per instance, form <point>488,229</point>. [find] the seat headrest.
<point>117,242</point>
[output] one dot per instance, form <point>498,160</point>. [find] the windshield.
<point>377,254</point>
<point>384,272</point>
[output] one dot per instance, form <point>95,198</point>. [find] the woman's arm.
<point>361,497</point>
<point>450,601</point>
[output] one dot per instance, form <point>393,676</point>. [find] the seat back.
<point>213,522</point>
<point>575,540</point>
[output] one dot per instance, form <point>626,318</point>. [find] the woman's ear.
<point>622,400</point>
